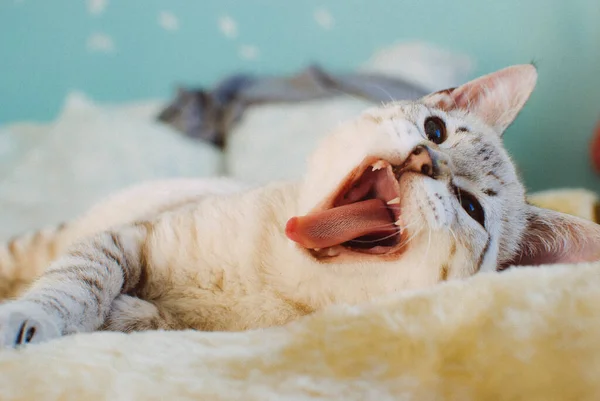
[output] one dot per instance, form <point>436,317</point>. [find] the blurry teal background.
<point>134,49</point>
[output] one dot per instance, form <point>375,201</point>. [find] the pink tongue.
<point>340,224</point>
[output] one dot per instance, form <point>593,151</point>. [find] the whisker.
<point>385,92</point>
<point>428,242</point>
<point>412,237</point>
<point>414,223</point>
<point>401,228</point>
<point>424,258</point>
<point>388,225</point>
<point>453,234</point>
<point>356,97</point>
<point>348,94</point>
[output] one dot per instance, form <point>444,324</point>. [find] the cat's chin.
<point>360,219</point>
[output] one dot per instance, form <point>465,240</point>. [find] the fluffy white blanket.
<point>530,334</point>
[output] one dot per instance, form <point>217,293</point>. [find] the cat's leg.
<point>128,313</point>
<point>25,257</point>
<point>76,292</point>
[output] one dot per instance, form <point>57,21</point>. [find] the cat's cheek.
<point>431,200</point>
<point>480,248</point>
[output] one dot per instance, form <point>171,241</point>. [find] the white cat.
<point>403,197</point>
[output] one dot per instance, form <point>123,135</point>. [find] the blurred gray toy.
<point>210,115</point>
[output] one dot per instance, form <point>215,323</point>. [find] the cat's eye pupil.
<point>29,335</point>
<point>435,129</point>
<point>471,206</point>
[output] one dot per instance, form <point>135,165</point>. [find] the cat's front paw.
<point>24,322</point>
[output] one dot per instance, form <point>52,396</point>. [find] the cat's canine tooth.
<point>378,165</point>
<point>394,201</point>
<point>316,249</point>
<point>398,223</point>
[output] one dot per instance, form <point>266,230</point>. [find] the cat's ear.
<point>553,237</point>
<point>496,98</point>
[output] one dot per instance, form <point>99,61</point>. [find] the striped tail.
<point>24,258</point>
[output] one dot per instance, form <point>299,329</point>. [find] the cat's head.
<point>424,191</point>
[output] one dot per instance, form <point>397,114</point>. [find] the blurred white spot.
<point>228,26</point>
<point>168,21</point>
<point>96,7</point>
<point>248,52</point>
<point>100,43</point>
<point>324,18</point>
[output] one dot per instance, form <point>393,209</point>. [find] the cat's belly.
<point>199,309</point>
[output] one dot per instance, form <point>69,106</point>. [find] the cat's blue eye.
<point>471,206</point>
<point>435,129</point>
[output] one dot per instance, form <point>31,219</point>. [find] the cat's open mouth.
<point>361,216</point>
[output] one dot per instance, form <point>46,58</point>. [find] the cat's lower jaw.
<point>25,322</point>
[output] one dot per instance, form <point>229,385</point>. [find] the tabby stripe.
<point>69,270</point>
<point>129,271</point>
<point>444,272</point>
<point>95,288</point>
<point>143,273</point>
<point>103,268</point>
<point>485,249</point>
<point>126,265</point>
<point>49,301</point>
<point>110,254</point>
<point>72,297</point>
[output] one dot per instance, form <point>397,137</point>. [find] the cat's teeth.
<point>394,201</point>
<point>378,165</point>
<point>332,252</point>
<point>398,223</point>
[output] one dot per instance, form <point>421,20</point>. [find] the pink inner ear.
<point>496,98</point>
<point>501,86</point>
<point>552,237</point>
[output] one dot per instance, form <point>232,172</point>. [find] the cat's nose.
<point>426,161</point>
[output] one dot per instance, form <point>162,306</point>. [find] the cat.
<point>405,196</point>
